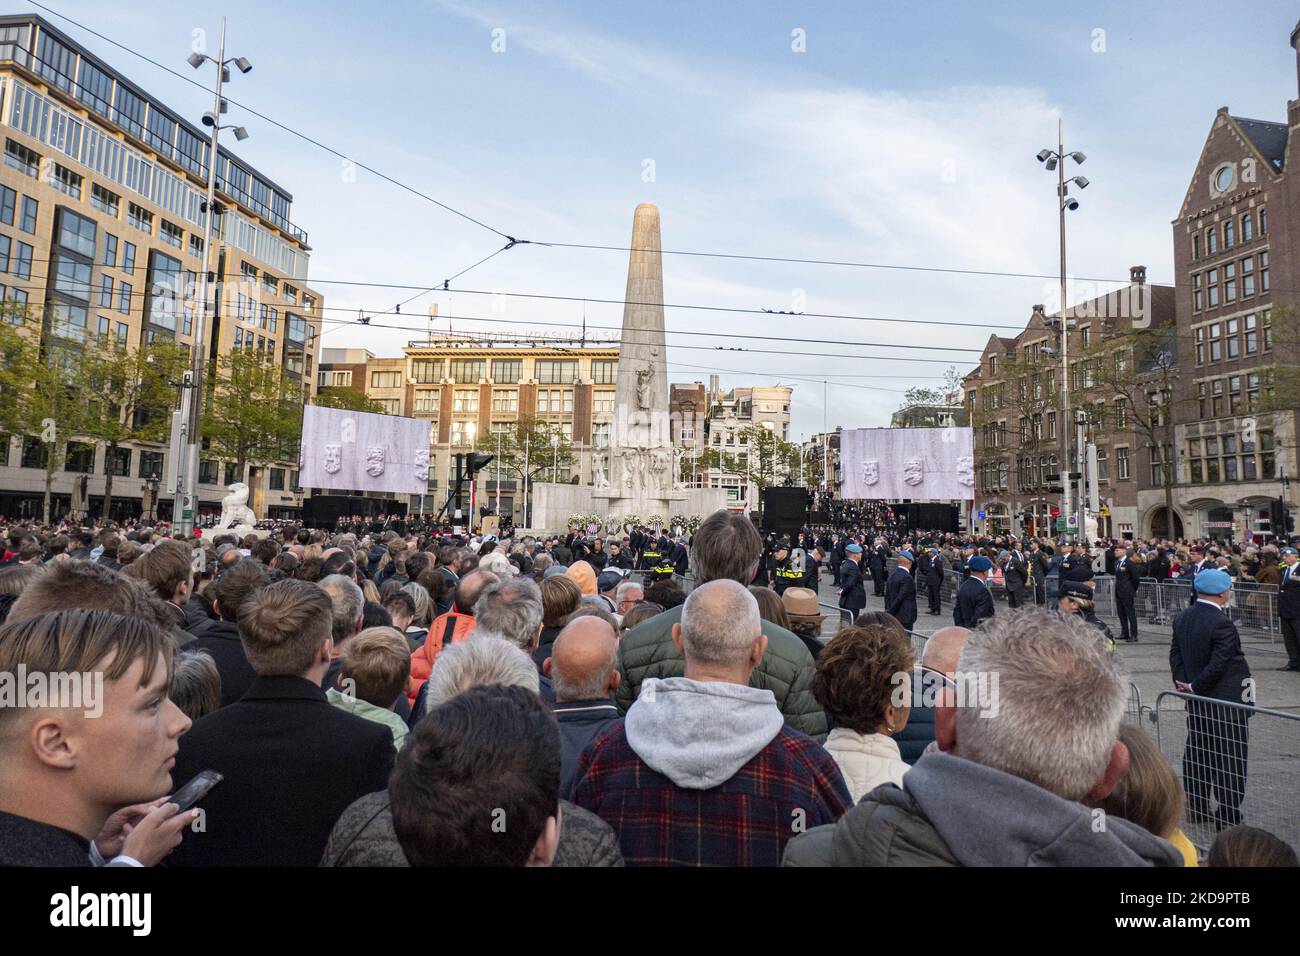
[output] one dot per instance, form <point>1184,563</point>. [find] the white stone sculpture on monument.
<point>598,477</point>
<point>235,513</point>
<point>678,454</point>
<point>644,378</point>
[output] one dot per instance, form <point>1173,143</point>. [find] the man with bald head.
<point>704,770</point>
<point>583,668</point>
<point>938,665</point>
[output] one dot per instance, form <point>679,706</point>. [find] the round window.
<point>1223,179</point>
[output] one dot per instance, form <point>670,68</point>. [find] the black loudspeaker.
<point>785,510</point>
<point>930,517</point>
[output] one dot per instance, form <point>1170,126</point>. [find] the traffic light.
<point>477,460</point>
<point>1277,517</point>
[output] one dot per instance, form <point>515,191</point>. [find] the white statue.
<point>660,462</point>
<point>234,508</point>
<point>375,455</point>
<point>966,470</point>
<point>678,454</point>
<point>643,379</point>
<point>598,477</point>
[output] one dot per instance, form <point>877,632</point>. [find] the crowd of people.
<point>405,697</point>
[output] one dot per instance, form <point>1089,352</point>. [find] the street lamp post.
<point>555,457</point>
<point>1054,160</point>
<point>187,485</point>
<point>496,506</point>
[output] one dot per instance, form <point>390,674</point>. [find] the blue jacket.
<point>1206,653</point>
<point>974,603</point>
<point>581,722</point>
<point>900,597</point>
<point>849,580</point>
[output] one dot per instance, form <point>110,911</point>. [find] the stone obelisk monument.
<point>639,474</point>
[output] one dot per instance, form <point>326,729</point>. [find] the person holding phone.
<point>86,777</point>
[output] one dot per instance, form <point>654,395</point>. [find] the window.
<point>462,433</point>
<point>104,200</point>
<point>1121,463</point>
<point>124,298</point>
<point>103,326</point>
<point>389,406</point>
<point>128,257</point>
<point>66,181</point>
<point>1248,276</point>
<point>1229,234</point>
<point>34,453</point>
<point>71,276</point>
<point>78,234</point>
<point>151,464</point>
<point>505,400</point>
<point>109,258</point>
<point>1200,345</point>
<point>1212,286</point>
<point>426,371</point>
<point>232,474</point>
<point>466,371</point>
<point>122,333</point>
<point>118,462</point>
<point>19,157</point>
<point>428,399</point>
<point>464,400</point>
<point>270,285</point>
<point>1051,425</point>
<point>385,379</point>
<point>196,246</point>
<point>1103,465</point>
<point>555,401</point>
<point>1263,269</point>
<point>1196,246</point>
<point>1196,292</point>
<point>600,434</point>
<point>1263,221</point>
<point>139,217</point>
<point>30,209</point>
<point>1211,241</point>
<point>1216,342</point>
<point>1247,228</point>
<point>1084,333</point>
<point>604,371</point>
<point>602,402</point>
<point>207,471</point>
<point>1252,333</point>
<point>1233,342</point>
<point>81,458</point>
<point>23,261</point>
<point>171,233</point>
<point>8,198</point>
<point>507,370</point>
<point>5,245</point>
<point>276,481</point>
<point>556,372</point>
<point>1230,282</point>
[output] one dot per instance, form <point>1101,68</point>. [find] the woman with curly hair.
<point>863,678</point>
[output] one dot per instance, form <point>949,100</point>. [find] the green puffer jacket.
<point>885,829</point>
<point>786,669</point>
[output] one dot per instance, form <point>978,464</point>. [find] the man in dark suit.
<point>1039,564</point>
<point>1128,575</point>
<point>853,595</point>
<point>1199,563</point>
<point>1288,606</point>
<point>900,592</point>
<point>1016,577</point>
<point>934,580</point>
<point>1206,660</point>
<point>220,639</point>
<point>974,600</point>
<point>292,762</point>
<point>879,563</point>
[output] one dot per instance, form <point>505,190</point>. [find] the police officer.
<point>853,595</point>
<point>1288,605</point>
<point>934,580</point>
<point>1077,598</point>
<point>781,571</point>
<point>650,554</point>
<point>1128,575</point>
<point>1207,661</point>
<point>900,591</point>
<point>974,600</point>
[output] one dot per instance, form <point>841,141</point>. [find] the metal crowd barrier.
<point>1253,607</point>
<point>1237,764</point>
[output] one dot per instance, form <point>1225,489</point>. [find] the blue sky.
<point>903,134</point>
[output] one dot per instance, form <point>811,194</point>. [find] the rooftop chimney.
<point>1137,275</point>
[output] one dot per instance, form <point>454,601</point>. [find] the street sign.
<point>983,515</point>
<point>1060,524</point>
<point>1072,521</point>
<point>1104,511</point>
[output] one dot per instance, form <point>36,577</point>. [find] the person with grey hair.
<point>704,770</point>
<point>418,627</point>
<point>511,609</point>
<point>348,609</point>
<point>498,564</point>
<point>1029,732</point>
<point>364,835</point>
<point>583,668</point>
<point>626,595</point>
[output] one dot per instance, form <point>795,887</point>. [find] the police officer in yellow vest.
<point>781,570</point>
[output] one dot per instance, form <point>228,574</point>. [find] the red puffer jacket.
<point>450,628</point>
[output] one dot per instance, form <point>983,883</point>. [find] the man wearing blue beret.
<point>974,600</point>
<point>1206,660</point>
<point>853,595</point>
<point>900,591</point>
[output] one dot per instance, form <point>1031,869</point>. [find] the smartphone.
<point>195,790</point>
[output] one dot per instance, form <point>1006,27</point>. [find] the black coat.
<point>1016,571</point>
<point>221,640</point>
<point>849,580</point>
<point>1206,653</point>
<point>292,764</point>
<point>1127,575</point>
<point>974,603</point>
<point>900,597</point>
<point>580,722</point>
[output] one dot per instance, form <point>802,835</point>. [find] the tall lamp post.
<point>187,467</point>
<point>555,457</point>
<point>1054,160</point>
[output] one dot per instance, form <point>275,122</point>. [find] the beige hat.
<point>801,604</point>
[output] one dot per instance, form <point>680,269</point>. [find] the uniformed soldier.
<point>853,595</point>
<point>1015,575</point>
<point>879,564</point>
<point>934,580</point>
<point>1288,603</point>
<point>1077,598</point>
<point>1207,662</point>
<point>900,591</point>
<point>974,600</point>
<point>1128,575</point>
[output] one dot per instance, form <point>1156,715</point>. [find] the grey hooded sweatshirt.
<point>955,812</point>
<point>699,733</point>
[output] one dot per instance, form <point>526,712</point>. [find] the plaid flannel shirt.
<point>790,786</point>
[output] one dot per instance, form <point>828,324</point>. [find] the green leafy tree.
<point>131,395</point>
<point>253,412</point>
<point>349,399</point>
<point>43,385</point>
<point>525,451</point>
<point>767,459</point>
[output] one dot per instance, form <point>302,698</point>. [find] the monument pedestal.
<point>553,503</point>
